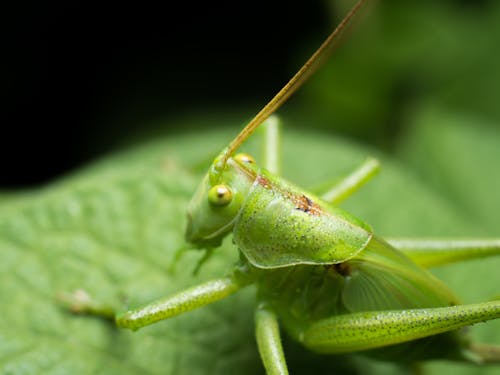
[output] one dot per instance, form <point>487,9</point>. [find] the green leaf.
<point>115,228</point>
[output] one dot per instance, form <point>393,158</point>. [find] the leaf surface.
<point>114,230</point>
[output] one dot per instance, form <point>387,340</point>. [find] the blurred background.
<point>81,79</point>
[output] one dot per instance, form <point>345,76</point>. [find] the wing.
<point>382,278</point>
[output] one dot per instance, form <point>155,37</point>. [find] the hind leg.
<point>375,329</point>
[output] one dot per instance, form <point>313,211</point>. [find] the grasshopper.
<point>320,273</point>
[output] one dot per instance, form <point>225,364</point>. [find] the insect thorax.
<point>279,225</point>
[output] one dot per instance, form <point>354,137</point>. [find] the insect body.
<point>322,274</point>
<point>315,264</point>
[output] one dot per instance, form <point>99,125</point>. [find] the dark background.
<point>82,74</point>
<point>79,77</point>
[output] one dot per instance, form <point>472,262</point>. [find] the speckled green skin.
<point>307,298</point>
<point>281,225</point>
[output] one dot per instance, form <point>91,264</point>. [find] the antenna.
<point>291,87</point>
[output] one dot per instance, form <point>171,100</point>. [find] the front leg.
<point>184,301</point>
<point>179,303</point>
<point>269,341</point>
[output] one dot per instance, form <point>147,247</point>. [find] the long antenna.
<point>291,87</point>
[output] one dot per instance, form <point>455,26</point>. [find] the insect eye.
<point>244,158</point>
<point>220,195</point>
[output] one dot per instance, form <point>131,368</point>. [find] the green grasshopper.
<point>320,273</point>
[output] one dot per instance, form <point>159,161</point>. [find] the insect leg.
<point>431,252</point>
<point>269,341</point>
<point>271,155</point>
<point>374,329</point>
<point>179,303</point>
<point>352,182</point>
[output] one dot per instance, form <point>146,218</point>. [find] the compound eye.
<point>244,158</point>
<point>220,195</point>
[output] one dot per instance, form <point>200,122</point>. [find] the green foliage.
<point>114,230</point>
<point>400,55</point>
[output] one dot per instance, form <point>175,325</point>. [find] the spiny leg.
<point>269,341</point>
<point>374,329</point>
<point>271,145</point>
<point>433,252</point>
<point>177,304</point>
<point>351,183</point>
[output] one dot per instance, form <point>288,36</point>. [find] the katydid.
<point>320,273</point>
